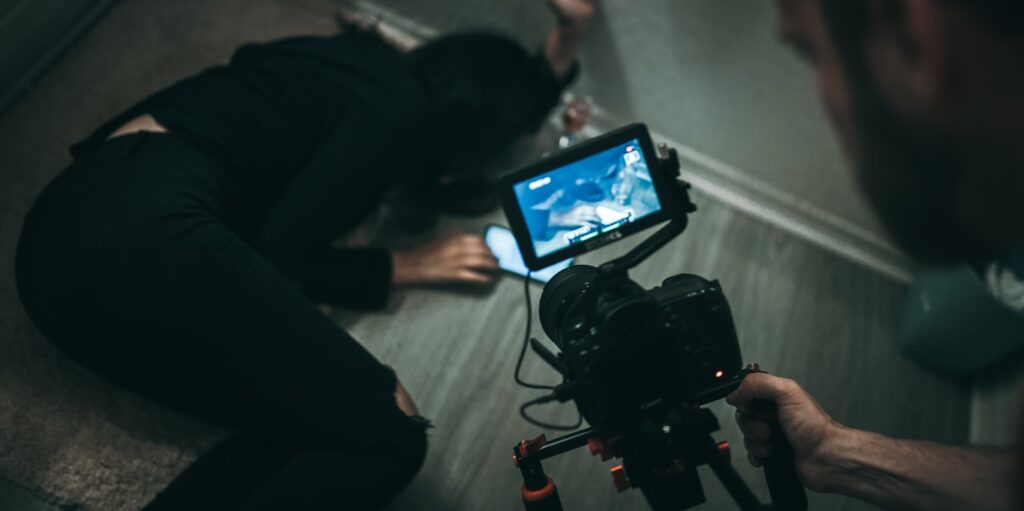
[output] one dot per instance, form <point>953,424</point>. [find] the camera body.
<point>628,350</point>
<point>638,364</point>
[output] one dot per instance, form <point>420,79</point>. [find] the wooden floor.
<point>799,312</point>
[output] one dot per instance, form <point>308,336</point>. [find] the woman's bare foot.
<point>141,123</point>
<point>405,402</point>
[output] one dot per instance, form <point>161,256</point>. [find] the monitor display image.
<point>587,198</point>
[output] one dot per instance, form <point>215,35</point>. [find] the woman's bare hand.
<point>451,258</point>
<point>573,12</point>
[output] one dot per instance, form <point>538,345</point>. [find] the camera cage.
<point>539,492</point>
<point>668,167</point>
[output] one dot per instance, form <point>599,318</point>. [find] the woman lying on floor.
<point>183,251</point>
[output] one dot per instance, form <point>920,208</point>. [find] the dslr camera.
<point>638,363</point>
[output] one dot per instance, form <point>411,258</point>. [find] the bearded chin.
<point>910,177</point>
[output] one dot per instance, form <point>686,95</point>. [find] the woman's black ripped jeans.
<point>125,264</point>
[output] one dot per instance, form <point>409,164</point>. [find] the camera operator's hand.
<point>566,39</point>
<point>451,258</point>
<point>809,430</point>
<point>887,472</point>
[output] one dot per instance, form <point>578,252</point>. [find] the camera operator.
<point>928,99</point>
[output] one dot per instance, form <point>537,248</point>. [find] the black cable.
<point>547,425</point>
<point>526,340</point>
<point>520,381</point>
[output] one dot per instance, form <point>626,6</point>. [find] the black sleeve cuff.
<point>554,83</point>
<point>547,87</point>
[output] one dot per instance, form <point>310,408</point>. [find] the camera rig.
<point>665,470</point>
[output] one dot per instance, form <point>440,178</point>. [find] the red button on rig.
<point>723,451</point>
<point>619,478</point>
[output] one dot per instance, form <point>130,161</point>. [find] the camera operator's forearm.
<point>904,474</point>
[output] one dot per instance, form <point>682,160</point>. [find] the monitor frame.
<point>517,223</point>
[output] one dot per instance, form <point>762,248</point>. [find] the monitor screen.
<point>587,198</point>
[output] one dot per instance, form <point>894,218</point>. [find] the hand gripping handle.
<point>780,468</point>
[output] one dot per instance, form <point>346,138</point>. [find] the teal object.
<point>959,321</point>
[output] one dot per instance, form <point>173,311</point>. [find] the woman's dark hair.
<point>485,89</point>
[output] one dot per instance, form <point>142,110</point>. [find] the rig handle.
<point>544,499</point>
<point>780,468</point>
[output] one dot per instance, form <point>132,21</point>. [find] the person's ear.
<point>909,45</point>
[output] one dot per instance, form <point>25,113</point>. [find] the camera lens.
<point>560,295</point>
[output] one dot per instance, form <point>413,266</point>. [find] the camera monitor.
<point>586,196</point>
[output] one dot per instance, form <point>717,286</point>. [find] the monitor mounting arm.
<point>668,164</point>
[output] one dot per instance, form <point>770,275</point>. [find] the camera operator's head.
<point>928,98</point>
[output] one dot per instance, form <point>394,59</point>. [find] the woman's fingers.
<point>476,247</point>
<point>480,262</point>
<point>474,277</point>
<point>451,257</point>
<point>479,268</point>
